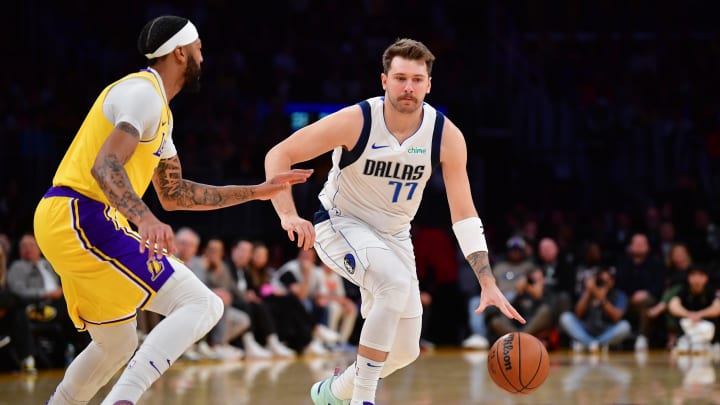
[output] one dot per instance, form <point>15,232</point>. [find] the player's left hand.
<point>304,229</point>
<point>491,295</point>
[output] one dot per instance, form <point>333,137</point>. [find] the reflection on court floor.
<point>440,377</point>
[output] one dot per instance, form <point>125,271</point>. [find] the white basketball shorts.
<point>342,242</point>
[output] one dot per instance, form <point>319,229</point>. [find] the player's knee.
<point>129,346</point>
<point>120,349</point>
<point>394,292</point>
<point>409,354</point>
<point>215,309</point>
<point>401,357</point>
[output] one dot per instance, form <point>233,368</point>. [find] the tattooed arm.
<point>480,264</point>
<point>109,172</point>
<point>176,193</point>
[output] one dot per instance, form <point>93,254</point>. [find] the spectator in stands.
<point>245,299</point>
<point>597,320</point>
<point>14,326</point>
<point>559,274</point>
<point>696,308</point>
<point>187,242</point>
<point>300,278</point>
<point>591,259</point>
<point>342,311</point>
<point>216,275</point>
<point>260,272</point>
<point>32,279</point>
<point>676,277</point>
<point>642,277</point>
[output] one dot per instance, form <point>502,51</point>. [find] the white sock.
<point>367,375</point>
<point>144,368</point>
<point>342,387</point>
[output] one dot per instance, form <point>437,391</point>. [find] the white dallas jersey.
<point>381,181</point>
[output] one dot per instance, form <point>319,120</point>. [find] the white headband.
<point>186,35</point>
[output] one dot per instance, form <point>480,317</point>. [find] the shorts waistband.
<point>62,191</point>
<point>321,215</point>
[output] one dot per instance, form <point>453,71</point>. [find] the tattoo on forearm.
<point>113,180</point>
<point>480,264</point>
<point>187,194</point>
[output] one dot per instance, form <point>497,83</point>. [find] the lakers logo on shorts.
<point>155,268</point>
<point>349,262</point>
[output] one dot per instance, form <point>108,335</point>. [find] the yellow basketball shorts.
<point>105,278</point>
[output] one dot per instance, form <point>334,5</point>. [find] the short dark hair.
<point>408,49</point>
<point>157,31</point>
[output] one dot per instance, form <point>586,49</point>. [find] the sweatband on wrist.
<point>470,236</point>
<point>187,35</point>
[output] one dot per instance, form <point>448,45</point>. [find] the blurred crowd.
<point>594,156</point>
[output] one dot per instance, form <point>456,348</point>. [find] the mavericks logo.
<point>349,263</point>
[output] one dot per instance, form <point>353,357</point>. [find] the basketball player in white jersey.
<point>384,149</point>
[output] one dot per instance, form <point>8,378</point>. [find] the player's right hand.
<point>281,182</point>
<point>304,229</point>
<point>158,238</point>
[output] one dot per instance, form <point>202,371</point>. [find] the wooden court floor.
<point>440,377</point>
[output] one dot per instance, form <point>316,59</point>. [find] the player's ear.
<point>429,85</point>
<point>383,80</point>
<point>179,52</point>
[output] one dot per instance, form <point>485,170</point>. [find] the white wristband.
<point>470,236</point>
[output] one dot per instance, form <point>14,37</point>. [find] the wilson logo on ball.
<point>507,348</point>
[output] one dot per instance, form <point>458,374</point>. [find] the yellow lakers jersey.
<point>74,170</point>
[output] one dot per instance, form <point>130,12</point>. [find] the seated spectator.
<point>300,278</point>
<point>696,307</point>
<point>597,320</point>
<point>187,242</point>
<point>679,261</point>
<point>32,279</point>
<point>591,259</point>
<point>559,274</point>
<point>533,302</point>
<point>342,311</point>
<point>294,324</point>
<point>507,273</point>
<point>261,320</point>
<point>234,322</point>
<point>15,335</point>
<point>642,277</point>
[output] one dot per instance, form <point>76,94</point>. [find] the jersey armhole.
<point>353,155</point>
<point>437,139</point>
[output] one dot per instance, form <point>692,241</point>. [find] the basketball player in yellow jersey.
<point>108,270</point>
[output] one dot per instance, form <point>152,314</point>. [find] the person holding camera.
<point>597,321</point>
<point>534,302</point>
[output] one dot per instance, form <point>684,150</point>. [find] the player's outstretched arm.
<point>340,129</point>
<point>466,223</point>
<point>176,193</point>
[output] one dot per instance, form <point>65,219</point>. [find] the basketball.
<point>518,363</point>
